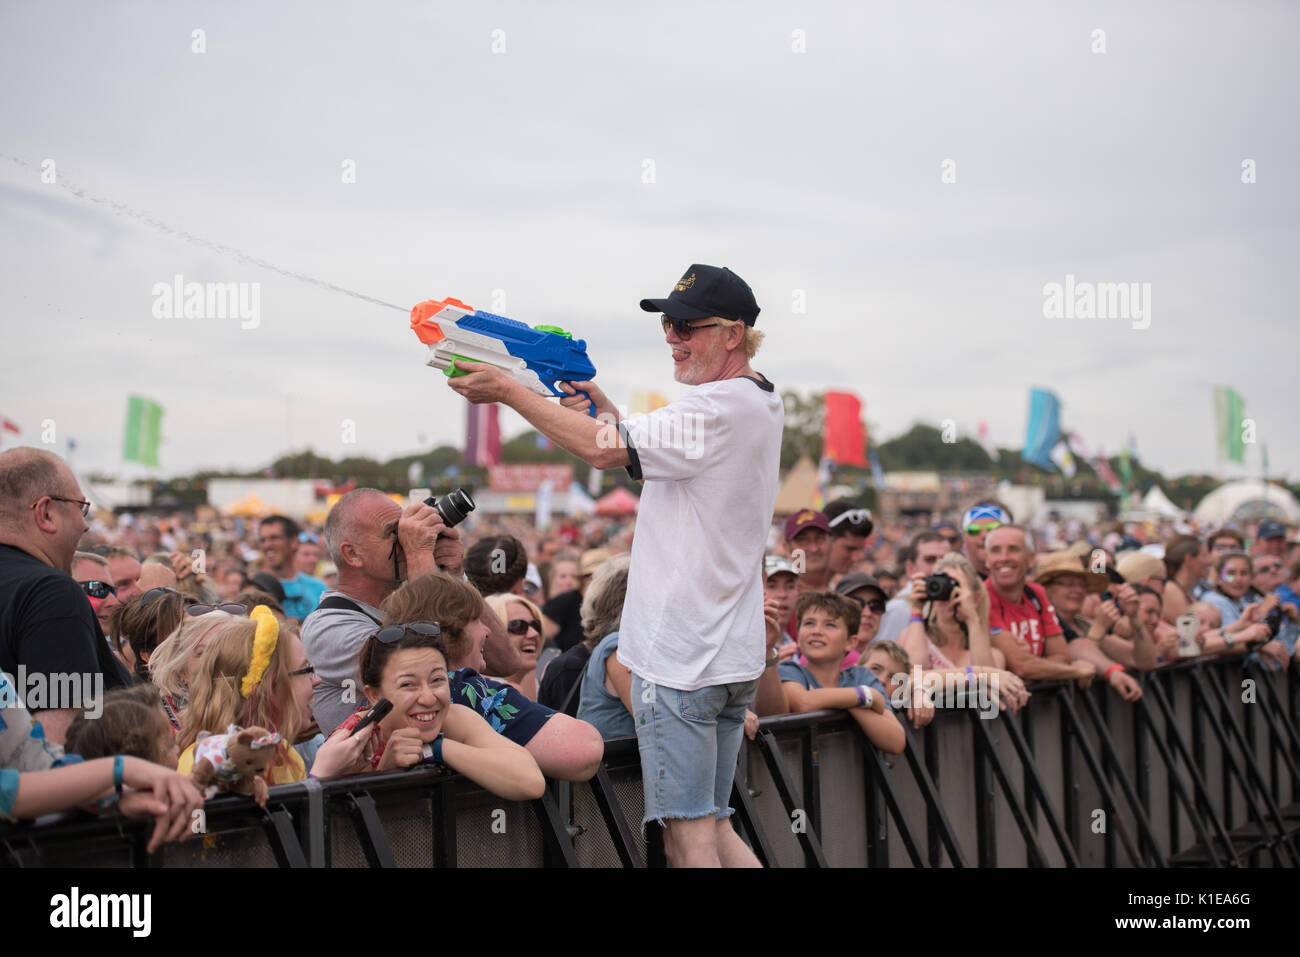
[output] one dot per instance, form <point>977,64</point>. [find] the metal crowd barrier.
<point>1204,770</point>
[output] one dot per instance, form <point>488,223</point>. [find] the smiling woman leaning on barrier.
<point>407,665</point>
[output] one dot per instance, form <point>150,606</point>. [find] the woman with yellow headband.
<point>253,675</point>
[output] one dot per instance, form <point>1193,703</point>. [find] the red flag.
<point>483,435</point>
<point>845,440</point>
<point>9,425</point>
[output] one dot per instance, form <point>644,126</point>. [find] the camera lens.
<point>453,507</point>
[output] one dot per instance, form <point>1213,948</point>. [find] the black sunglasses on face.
<point>876,605</point>
<point>98,589</point>
<point>396,632</point>
<point>520,626</point>
<point>682,328</point>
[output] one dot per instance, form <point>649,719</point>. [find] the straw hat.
<point>1057,564</point>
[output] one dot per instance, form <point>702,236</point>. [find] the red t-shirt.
<point>1031,625</point>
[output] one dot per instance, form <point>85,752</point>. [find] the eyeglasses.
<point>153,594</point>
<point>229,607</point>
<point>520,626</point>
<point>951,539</point>
<point>98,589</point>
<point>684,331</point>
<point>854,516</point>
<point>978,529</point>
<point>1265,569</point>
<point>397,632</point>
<point>85,506</point>
<point>309,670</point>
<point>876,605</point>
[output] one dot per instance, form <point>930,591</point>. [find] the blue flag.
<point>1044,429</point>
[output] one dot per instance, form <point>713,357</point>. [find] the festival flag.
<point>143,431</point>
<point>844,439</point>
<point>823,482</point>
<point>1229,410</point>
<point>1126,464</point>
<point>1044,428</point>
<point>877,473</point>
<point>986,441</point>
<point>1063,458</point>
<point>1102,465</point>
<point>483,435</point>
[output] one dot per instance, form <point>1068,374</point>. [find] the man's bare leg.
<point>691,842</point>
<point>732,851</point>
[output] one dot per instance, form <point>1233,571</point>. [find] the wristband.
<point>970,676</point>
<point>432,752</point>
<point>916,617</point>
<point>1107,673</point>
<point>437,749</point>
<point>1227,640</point>
<point>119,771</point>
<point>865,697</point>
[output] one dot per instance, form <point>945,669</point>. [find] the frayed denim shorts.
<point>689,742</point>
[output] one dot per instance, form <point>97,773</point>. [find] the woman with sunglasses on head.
<point>143,623</point>
<point>524,624</point>
<point>251,675</point>
<point>406,664</point>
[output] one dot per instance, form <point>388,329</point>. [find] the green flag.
<point>1229,410</point>
<point>143,429</point>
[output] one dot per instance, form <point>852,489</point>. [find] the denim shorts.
<point>689,742</point>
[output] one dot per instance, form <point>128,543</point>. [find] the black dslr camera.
<point>939,587</point>
<point>453,507</point>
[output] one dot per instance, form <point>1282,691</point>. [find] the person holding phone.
<point>406,664</point>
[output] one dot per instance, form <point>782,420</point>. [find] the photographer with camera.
<point>949,627</point>
<point>376,545</point>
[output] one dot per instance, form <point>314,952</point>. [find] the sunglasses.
<point>520,626</point>
<point>854,516</point>
<point>98,589</point>
<point>876,605</point>
<point>229,607</point>
<point>951,539</point>
<point>397,632</point>
<point>153,594</point>
<point>681,327</point>
<point>978,529</point>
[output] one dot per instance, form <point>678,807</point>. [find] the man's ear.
<point>348,552</point>
<point>735,336</point>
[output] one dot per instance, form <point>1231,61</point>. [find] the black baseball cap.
<point>1270,529</point>
<point>705,291</point>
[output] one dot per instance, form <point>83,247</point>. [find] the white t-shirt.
<point>693,615</point>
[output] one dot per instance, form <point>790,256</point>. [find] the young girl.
<point>132,723</point>
<point>523,621</point>
<point>827,623</point>
<point>407,664</point>
<point>175,662</point>
<point>253,676</point>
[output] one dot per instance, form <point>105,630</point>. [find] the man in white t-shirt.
<point>692,631</point>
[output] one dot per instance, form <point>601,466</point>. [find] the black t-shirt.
<point>561,675</point>
<point>48,626</point>
<point>565,609</point>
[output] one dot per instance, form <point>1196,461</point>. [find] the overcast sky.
<point>524,171</point>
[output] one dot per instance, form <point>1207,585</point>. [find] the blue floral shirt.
<point>503,707</point>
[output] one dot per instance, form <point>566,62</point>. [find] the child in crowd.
<point>827,624</point>
<point>407,664</point>
<point>133,723</point>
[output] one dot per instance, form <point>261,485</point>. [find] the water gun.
<point>540,357</point>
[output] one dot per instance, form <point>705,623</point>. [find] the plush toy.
<point>234,761</point>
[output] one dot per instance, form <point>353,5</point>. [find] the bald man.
<point>50,641</point>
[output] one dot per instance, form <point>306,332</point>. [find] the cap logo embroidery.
<point>804,516</point>
<point>686,282</point>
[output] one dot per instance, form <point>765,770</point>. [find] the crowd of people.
<point>500,659</point>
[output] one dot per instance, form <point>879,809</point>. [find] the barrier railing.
<point>1204,770</point>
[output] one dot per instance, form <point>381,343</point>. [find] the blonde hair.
<point>896,652</point>
<point>602,606</point>
<point>170,660</point>
<point>216,700</point>
<point>753,338</point>
<point>961,562</point>
<point>499,601</point>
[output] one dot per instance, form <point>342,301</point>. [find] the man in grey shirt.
<point>359,534</point>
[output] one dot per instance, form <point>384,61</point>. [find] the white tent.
<point>1157,501</point>
<point>1245,500</point>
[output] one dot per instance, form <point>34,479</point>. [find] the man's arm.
<point>594,441</point>
<point>1026,665</point>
